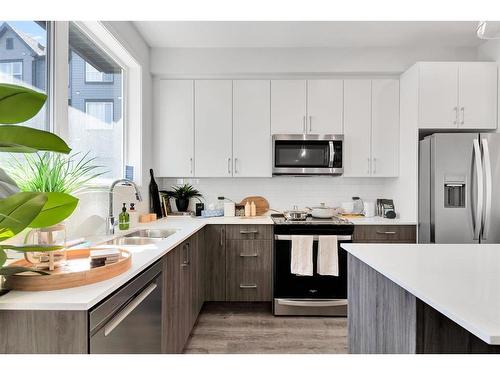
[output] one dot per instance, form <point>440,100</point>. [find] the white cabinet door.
<point>213,128</point>
<point>438,95</point>
<point>324,106</point>
<point>357,127</point>
<point>173,128</point>
<point>251,128</point>
<point>477,92</point>
<point>288,106</point>
<point>385,128</point>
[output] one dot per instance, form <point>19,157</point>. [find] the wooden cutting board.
<point>261,204</point>
<point>76,272</point>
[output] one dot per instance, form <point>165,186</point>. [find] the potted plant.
<point>182,195</point>
<point>20,210</point>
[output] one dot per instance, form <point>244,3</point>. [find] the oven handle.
<point>310,303</point>
<point>285,237</point>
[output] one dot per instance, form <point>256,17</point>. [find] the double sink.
<point>142,237</point>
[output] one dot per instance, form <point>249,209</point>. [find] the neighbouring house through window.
<point>94,75</point>
<point>102,112</point>
<point>11,71</point>
<point>9,43</point>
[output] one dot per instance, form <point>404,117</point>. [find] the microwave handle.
<point>330,163</point>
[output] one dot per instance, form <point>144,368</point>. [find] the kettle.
<point>358,205</point>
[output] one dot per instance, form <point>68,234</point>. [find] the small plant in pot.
<point>182,195</point>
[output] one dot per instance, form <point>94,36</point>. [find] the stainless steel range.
<point>309,295</point>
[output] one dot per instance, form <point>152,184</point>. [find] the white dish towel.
<point>302,255</point>
<point>328,256</point>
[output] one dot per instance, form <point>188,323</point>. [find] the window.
<point>102,113</point>
<point>12,71</point>
<point>27,64</point>
<point>92,75</point>
<point>95,112</point>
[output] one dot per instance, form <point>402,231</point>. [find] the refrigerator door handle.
<point>489,188</point>
<point>480,189</point>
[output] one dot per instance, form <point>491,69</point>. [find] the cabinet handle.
<point>304,124</point>
<point>191,165</point>
<point>249,231</point>
<point>456,115</point>
<point>463,115</point>
<point>374,165</point>
<point>221,242</point>
<point>228,165</point>
<point>310,124</point>
<point>235,165</point>
<point>368,170</point>
<point>248,286</point>
<point>382,232</point>
<point>249,255</point>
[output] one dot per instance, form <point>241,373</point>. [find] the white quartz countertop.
<point>460,281</point>
<point>85,297</point>
<point>377,220</point>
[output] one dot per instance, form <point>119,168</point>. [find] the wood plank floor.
<point>250,328</point>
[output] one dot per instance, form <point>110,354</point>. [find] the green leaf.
<point>31,248</point>
<point>9,271</point>
<point>18,211</point>
<point>14,138</point>
<point>18,103</point>
<point>3,257</point>
<point>58,207</point>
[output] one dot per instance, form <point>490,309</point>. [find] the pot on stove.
<point>295,214</point>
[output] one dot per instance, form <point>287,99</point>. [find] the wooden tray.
<point>261,204</point>
<point>76,272</point>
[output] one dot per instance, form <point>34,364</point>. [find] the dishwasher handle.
<point>128,309</point>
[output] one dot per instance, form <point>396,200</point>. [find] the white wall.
<point>89,217</point>
<point>284,192</point>
<point>201,62</point>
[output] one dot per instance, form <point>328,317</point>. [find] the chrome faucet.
<point>110,221</point>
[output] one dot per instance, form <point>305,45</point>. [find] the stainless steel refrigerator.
<point>459,188</point>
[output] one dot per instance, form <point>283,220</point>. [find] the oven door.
<point>315,295</point>
<point>307,155</point>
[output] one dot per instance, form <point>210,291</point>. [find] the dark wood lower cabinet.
<point>248,270</point>
<point>385,233</point>
<point>214,249</point>
<point>384,318</point>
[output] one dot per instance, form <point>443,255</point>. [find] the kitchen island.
<point>424,298</point>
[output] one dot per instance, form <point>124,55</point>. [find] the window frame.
<point>7,40</point>
<point>12,61</point>
<point>111,124</point>
<point>101,82</point>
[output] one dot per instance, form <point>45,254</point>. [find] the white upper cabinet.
<point>251,128</point>
<point>173,128</point>
<point>385,128</point>
<point>324,106</point>
<point>457,95</point>
<point>477,95</point>
<point>213,128</point>
<point>288,106</point>
<point>357,128</point>
<point>438,95</point>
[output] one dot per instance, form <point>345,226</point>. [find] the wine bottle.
<point>154,197</point>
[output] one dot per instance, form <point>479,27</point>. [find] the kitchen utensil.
<point>295,214</point>
<point>322,211</point>
<point>229,209</point>
<point>369,210</point>
<point>358,205</point>
<point>76,272</point>
<point>199,207</point>
<point>261,204</point>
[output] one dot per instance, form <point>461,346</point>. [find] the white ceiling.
<point>336,34</point>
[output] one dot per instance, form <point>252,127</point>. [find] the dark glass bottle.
<point>154,197</point>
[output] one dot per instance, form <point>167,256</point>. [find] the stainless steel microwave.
<point>307,154</point>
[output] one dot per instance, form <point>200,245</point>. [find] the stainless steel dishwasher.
<point>129,321</point>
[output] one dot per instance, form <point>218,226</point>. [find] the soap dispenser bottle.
<point>124,218</point>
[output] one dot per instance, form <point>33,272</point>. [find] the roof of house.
<point>36,47</point>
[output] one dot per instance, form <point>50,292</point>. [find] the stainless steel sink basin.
<point>142,237</point>
<point>132,241</point>
<point>152,233</point>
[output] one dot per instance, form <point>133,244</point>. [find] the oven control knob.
<point>312,291</point>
